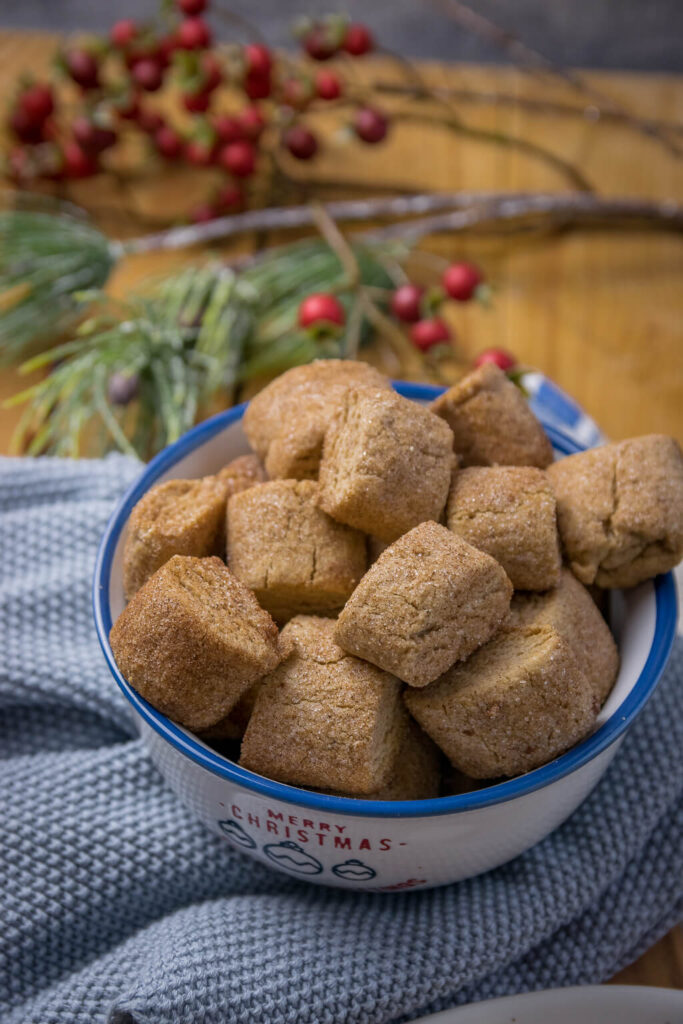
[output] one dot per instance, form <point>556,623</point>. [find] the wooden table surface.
<point>601,312</point>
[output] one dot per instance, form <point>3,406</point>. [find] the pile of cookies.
<point>384,588</point>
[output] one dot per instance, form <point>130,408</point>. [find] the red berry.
<point>358,40</point>
<point>194,34</point>
<point>166,48</point>
<point>406,302</point>
<point>257,87</point>
<point>192,7</point>
<point>92,138</point>
<point>370,125</point>
<point>239,158</point>
<point>128,107</point>
<point>230,197</point>
<point>251,122</point>
<point>319,43</point>
<point>123,33</point>
<point>212,76</point>
<point>149,120</point>
<point>327,85</point>
<point>26,128</point>
<point>168,143</point>
<point>427,333</point>
<point>199,153</point>
<point>78,163</point>
<point>461,280</point>
<point>197,102</point>
<point>83,68</point>
<point>297,93</point>
<point>228,129</point>
<point>148,75</point>
<point>37,102</point>
<point>258,59</point>
<point>300,142</point>
<point>321,307</point>
<point>498,356</point>
<point>202,213</point>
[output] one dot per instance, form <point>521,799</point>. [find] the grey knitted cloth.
<point>116,906</point>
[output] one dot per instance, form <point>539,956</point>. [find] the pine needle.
<point>44,260</point>
<point>184,340</point>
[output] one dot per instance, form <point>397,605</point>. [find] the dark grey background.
<point>636,34</point>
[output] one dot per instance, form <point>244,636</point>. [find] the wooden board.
<point>600,312</point>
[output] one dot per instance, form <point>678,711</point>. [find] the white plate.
<point>591,1004</point>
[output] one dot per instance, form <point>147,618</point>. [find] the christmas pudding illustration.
<point>355,870</point>
<point>291,857</point>
<point>235,832</point>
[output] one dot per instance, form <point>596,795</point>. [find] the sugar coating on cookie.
<point>234,724</point>
<point>179,517</point>
<point>509,512</point>
<point>323,718</point>
<point>193,639</point>
<point>286,422</point>
<point>428,601</point>
<point>492,423</point>
<point>387,464</point>
<point>571,610</point>
<point>293,556</point>
<point>516,704</point>
<point>242,473</point>
<point>620,510</point>
<point>416,772</point>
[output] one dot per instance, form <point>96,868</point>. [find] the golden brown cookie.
<point>509,512</point>
<point>518,702</point>
<point>179,517</point>
<point>571,610</point>
<point>387,464</point>
<point>286,422</point>
<point>293,556</point>
<point>429,600</point>
<point>324,719</point>
<point>620,510</point>
<point>492,423</point>
<point>416,772</point>
<point>193,639</point>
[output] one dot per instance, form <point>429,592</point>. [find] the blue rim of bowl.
<point>611,730</point>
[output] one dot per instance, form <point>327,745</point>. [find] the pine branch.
<point>196,334</point>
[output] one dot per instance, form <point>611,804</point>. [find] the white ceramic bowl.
<point>363,844</point>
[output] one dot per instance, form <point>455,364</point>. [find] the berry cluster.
<point>412,304</point>
<point>322,312</point>
<point>233,103</point>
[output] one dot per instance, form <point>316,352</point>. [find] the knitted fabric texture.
<point>116,906</point>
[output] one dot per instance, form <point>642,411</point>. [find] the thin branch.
<point>663,214</point>
<point>453,122</point>
<point>532,60</point>
<point>568,170</point>
<point>558,209</point>
<point>337,243</point>
<point>589,112</point>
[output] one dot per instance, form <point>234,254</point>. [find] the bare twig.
<point>588,112</point>
<point>569,210</point>
<point>453,123</point>
<point>532,60</point>
<point>472,208</point>
<point>337,243</point>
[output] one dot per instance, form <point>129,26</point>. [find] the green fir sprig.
<point>184,341</point>
<point>44,260</point>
